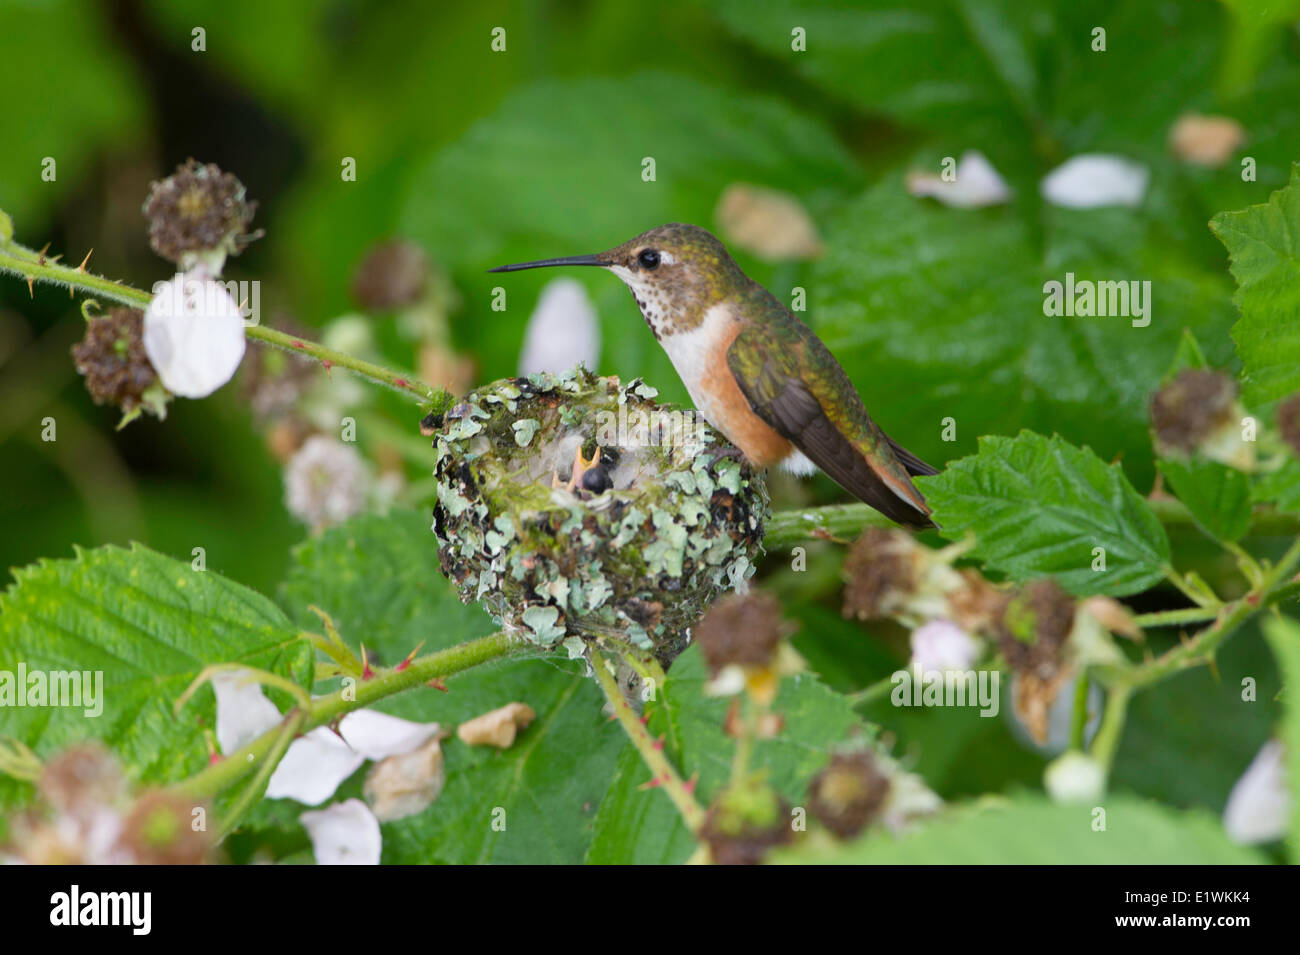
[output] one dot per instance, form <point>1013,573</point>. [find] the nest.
<point>669,519</point>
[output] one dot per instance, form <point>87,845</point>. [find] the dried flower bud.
<point>741,629</point>
<point>111,357</point>
<point>393,274</point>
<point>1185,412</point>
<point>160,830</point>
<point>196,215</point>
<point>848,794</point>
<point>1032,636</point>
<point>1288,422</point>
<point>85,775</point>
<point>747,820</point>
<point>889,574</point>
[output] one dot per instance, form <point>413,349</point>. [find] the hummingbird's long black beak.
<point>546,263</point>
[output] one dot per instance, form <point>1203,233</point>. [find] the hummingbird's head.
<point>676,273</point>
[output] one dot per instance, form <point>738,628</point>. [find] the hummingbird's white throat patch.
<point>650,298</point>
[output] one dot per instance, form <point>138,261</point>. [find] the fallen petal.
<point>497,728</point>
<point>403,785</point>
<point>346,833</point>
<point>1206,140</point>
<point>773,225</point>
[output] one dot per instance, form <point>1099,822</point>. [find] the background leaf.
<point>1264,244</point>
<point>1218,496</point>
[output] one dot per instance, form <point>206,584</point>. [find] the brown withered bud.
<point>745,630</point>
<point>1288,422</point>
<point>198,209</point>
<point>393,274</point>
<point>848,794</point>
<point>81,777</point>
<point>160,830</point>
<point>880,573</point>
<point>1189,408</point>
<point>1035,625</point>
<point>112,359</point>
<point>745,822</point>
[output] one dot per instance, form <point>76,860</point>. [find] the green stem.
<point>1174,618</point>
<point>1112,727</point>
<point>662,772</point>
<point>789,527</point>
<point>220,776</point>
<point>28,264</point>
<point>254,790</point>
<point>870,694</point>
<point>1079,715</point>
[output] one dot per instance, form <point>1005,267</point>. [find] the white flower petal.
<point>313,768</point>
<point>1259,805</point>
<point>1096,179</point>
<point>562,331</point>
<point>193,335</point>
<point>942,645</point>
<point>243,711</point>
<point>346,833</point>
<point>977,184</point>
<point>377,735</point>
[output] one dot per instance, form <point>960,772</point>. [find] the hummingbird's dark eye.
<point>648,258</point>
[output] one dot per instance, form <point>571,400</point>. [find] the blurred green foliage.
<point>486,157</point>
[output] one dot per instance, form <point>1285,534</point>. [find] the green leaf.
<point>1263,245</point>
<point>149,624</point>
<point>1218,496</point>
<point>1031,831</point>
<point>532,803</point>
<point>1283,634</point>
<point>636,826</point>
<point>1281,488</point>
<point>378,578</point>
<point>1189,355</point>
<point>1040,506</point>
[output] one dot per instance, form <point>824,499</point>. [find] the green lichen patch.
<point>641,546</point>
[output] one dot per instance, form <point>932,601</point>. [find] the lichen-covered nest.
<point>669,519</point>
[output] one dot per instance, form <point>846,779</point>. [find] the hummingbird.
<point>758,374</point>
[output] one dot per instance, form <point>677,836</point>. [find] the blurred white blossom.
<point>1096,179</point>
<point>1259,805</point>
<point>562,331</point>
<point>193,335</point>
<point>325,482</point>
<point>976,184</point>
<point>942,645</point>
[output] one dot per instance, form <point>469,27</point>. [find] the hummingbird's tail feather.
<point>915,466</point>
